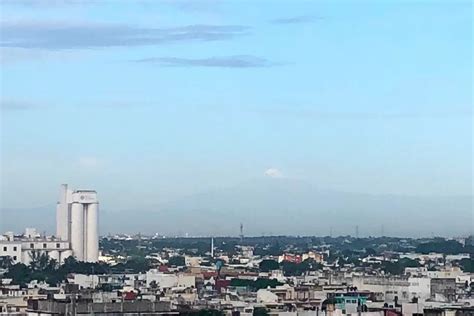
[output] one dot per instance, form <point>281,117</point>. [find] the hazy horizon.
<point>264,205</point>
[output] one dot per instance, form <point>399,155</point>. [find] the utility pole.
<point>241,232</point>
<point>212,247</point>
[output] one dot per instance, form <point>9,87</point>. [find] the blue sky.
<point>151,101</point>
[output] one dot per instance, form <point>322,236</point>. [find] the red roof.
<point>129,296</point>
<point>220,284</point>
<point>209,274</point>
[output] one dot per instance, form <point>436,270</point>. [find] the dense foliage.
<point>203,312</point>
<point>290,268</point>
<point>345,246</point>
<point>177,261</point>
<point>258,284</point>
<point>443,246</point>
<point>296,269</point>
<point>467,265</point>
<point>398,267</point>
<point>260,311</point>
<point>268,265</point>
<point>42,268</point>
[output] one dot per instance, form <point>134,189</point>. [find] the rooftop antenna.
<point>241,232</point>
<point>212,247</point>
<point>382,231</point>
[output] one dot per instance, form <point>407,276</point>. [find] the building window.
<point>14,248</point>
<point>44,245</point>
<point>14,258</point>
<point>5,248</point>
<point>32,246</point>
<point>58,246</point>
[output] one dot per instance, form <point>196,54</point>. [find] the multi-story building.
<point>76,232</point>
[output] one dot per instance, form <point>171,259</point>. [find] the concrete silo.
<point>77,222</point>
<point>77,230</point>
<point>92,233</point>
<point>62,214</point>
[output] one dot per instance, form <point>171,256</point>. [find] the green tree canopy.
<point>177,261</point>
<point>268,265</point>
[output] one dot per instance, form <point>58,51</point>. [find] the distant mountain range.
<point>276,206</point>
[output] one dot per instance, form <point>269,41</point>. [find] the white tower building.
<point>63,214</point>
<point>77,222</point>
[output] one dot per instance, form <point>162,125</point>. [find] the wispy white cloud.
<point>59,35</point>
<point>88,162</point>
<point>193,5</point>
<point>47,3</point>
<point>296,19</point>
<point>239,61</point>
<point>273,173</point>
<point>16,105</point>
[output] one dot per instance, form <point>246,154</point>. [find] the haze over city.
<point>291,117</point>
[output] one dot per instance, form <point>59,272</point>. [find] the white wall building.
<point>24,248</point>
<point>164,280</point>
<point>384,288</point>
<point>76,232</point>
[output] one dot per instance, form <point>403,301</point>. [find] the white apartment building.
<point>165,280</point>
<point>386,289</point>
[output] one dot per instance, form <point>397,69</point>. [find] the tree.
<point>134,265</point>
<point>177,261</point>
<point>211,312</point>
<point>6,262</point>
<point>398,268</point>
<point>260,311</point>
<point>467,265</point>
<point>39,261</point>
<point>370,251</point>
<point>260,283</point>
<point>20,274</point>
<point>297,269</point>
<point>268,265</point>
<point>207,312</point>
<point>441,246</point>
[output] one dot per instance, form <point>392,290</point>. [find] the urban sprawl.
<point>75,272</point>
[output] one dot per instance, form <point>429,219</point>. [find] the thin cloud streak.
<point>273,173</point>
<point>296,20</point>
<point>46,3</point>
<point>315,114</point>
<point>239,61</point>
<point>15,105</point>
<point>88,162</point>
<point>64,35</point>
<point>192,5</point>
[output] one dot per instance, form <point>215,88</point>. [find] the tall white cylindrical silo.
<point>59,221</point>
<point>62,214</point>
<point>77,230</point>
<point>92,237</point>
